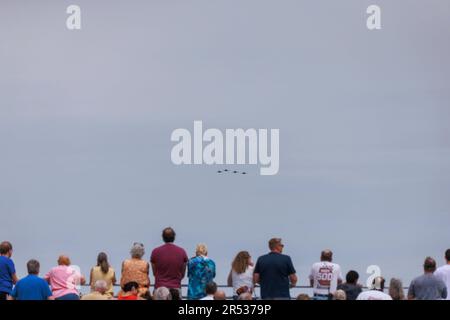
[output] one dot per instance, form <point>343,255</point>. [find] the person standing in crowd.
<point>169,262</point>
<point>275,272</point>
<point>241,274</point>
<point>201,270</point>
<point>32,287</point>
<point>210,291</point>
<point>100,292</point>
<point>325,276</point>
<point>427,286</point>
<point>64,279</point>
<point>351,287</point>
<point>396,289</point>
<point>443,272</point>
<point>136,269</point>
<point>7,270</point>
<point>103,271</point>
<point>376,293</point>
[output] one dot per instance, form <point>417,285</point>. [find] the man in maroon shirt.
<point>169,262</point>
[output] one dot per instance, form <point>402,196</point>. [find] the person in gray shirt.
<point>427,286</point>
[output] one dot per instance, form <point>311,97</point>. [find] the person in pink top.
<point>64,279</point>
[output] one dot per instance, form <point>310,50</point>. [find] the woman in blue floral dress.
<point>201,270</point>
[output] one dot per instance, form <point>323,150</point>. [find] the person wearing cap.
<point>275,272</point>
<point>427,286</point>
<point>325,276</point>
<point>376,293</point>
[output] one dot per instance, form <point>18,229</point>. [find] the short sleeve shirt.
<point>274,270</point>
<point>31,288</point>
<point>7,270</point>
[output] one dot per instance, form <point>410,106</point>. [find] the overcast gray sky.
<point>86,118</point>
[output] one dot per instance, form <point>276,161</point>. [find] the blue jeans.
<point>70,296</point>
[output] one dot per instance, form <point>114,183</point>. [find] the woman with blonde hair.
<point>396,289</point>
<point>64,279</point>
<point>241,274</point>
<point>136,269</point>
<point>103,271</point>
<point>201,271</point>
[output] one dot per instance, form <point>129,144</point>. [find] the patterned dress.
<point>201,270</point>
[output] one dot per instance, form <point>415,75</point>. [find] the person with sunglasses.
<point>275,273</point>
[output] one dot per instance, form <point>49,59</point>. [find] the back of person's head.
<point>245,296</point>
<point>64,260</point>
<point>131,286</point>
<point>303,296</point>
<point>211,288</point>
<point>275,244</point>
<point>352,277</point>
<point>447,255</point>
<point>396,289</point>
<point>201,250</point>
<point>162,293</point>
<point>378,283</point>
<point>326,255</point>
<point>102,262</point>
<point>137,251</point>
<point>220,295</point>
<point>175,293</point>
<point>101,286</point>
<point>33,267</point>
<point>5,247</point>
<point>429,264</point>
<point>168,235</point>
<point>241,262</point>
<point>339,295</point>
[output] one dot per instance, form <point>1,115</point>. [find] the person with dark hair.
<point>7,270</point>
<point>130,291</point>
<point>376,292</point>
<point>32,287</point>
<point>175,293</point>
<point>103,271</point>
<point>275,272</point>
<point>169,262</point>
<point>443,272</point>
<point>210,291</point>
<point>351,287</point>
<point>325,276</point>
<point>427,286</point>
<point>64,279</point>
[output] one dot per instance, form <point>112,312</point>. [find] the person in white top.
<point>210,290</point>
<point>241,274</point>
<point>376,293</point>
<point>443,273</point>
<point>325,276</point>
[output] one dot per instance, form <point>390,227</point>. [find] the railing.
<point>224,286</point>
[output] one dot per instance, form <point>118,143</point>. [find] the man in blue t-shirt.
<point>7,270</point>
<point>32,287</point>
<point>275,272</point>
